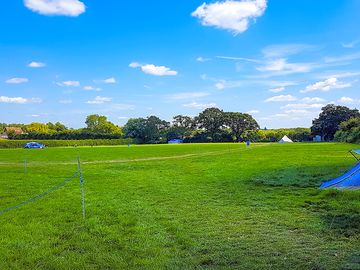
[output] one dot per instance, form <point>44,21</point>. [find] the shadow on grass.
<point>299,176</point>
<point>338,210</point>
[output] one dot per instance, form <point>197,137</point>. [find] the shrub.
<point>62,143</point>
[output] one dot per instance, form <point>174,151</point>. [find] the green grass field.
<point>195,206</point>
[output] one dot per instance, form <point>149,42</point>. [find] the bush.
<point>275,135</point>
<point>62,143</point>
<point>349,131</point>
<point>65,135</point>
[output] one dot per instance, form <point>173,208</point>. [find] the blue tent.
<point>349,180</point>
<point>175,141</point>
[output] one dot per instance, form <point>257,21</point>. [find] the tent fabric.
<point>285,139</point>
<point>357,151</point>
<point>349,180</point>
<point>175,141</point>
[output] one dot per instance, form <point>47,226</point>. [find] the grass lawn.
<point>194,206</point>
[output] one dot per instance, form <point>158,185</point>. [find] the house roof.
<point>16,130</point>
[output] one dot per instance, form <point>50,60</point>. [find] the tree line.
<point>338,123</point>
<point>97,127</point>
<point>211,125</point>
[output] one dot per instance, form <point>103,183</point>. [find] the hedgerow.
<point>63,143</point>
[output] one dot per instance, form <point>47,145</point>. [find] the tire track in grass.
<point>211,153</point>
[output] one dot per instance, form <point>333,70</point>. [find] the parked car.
<point>34,145</point>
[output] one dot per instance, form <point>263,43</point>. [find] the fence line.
<point>82,188</point>
<point>40,195</point>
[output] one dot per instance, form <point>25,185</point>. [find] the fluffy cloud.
<point>202,59</point>
<point>220,85</point>
<point>36,64</point>
<point>347,100</point>
<point>154,70</point>
<point>188,95</point>
<point>253,112</point>
<point>111,80</point>
<point>277,90</point>
<point>233,16</point>
<point>302,106</point>
<point>281,65</point>
<point>327,85</point>
<point>69,83</point>
<point>71,8</point>
<point>91,88</point>
<point>312,100</point>
<point>343,58</point>
<point>19,100</point>
<point>281,98</point>
<point>283,50</point>
<point>17,80</point>
<point>350,44</point>
<point>201,106</point>
<point>99,100</point>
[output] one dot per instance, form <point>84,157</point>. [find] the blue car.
<point>34,145</point>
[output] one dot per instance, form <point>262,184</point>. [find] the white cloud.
<point>238,59</point>
<point>154,70</point>
<point>350,44</point>
<point>123,117</point>
<point>230,15</point>
<point>36,64</point>
<point>312,100</point>
<point>196,105</point>
<point>281,65</point>
<point>301,106</point>
<point>188,95</point>
<point>344,74</point>
<point>220,85</point>
<point>71,8</point>
<point>17,80</point>
<point>327,85</point>
<point>117,107</point>
<point>69,83</point>
<point>110,80</point>
<point>281,83</point>
<point>343,58</point>
<point>91,88</point>
<point>99,100</point>
<point>281,98</point>
<point>282,50</point>
<point>277,90</point>
<point>346,100</point>
<point>300,112</point>
<point>135,65</point>
<point>19,100</point>
<point>65,101</point>
<point>202,59</point>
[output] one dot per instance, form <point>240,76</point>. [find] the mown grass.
<point>196,206</point>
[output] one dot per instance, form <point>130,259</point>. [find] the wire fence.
<point>77,174</point>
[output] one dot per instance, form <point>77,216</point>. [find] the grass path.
<point>155,158</point>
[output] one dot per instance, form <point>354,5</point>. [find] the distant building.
<point>175,141</point>
<point>4,136</point>
<point>317,138</point>
<point>15,130</point>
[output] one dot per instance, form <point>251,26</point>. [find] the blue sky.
<point>281,61</point>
